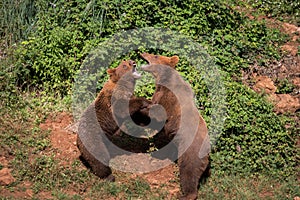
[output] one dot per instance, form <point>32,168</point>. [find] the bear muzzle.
<point>145,67</point>
<point>135,74</point>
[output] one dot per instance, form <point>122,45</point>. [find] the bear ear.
<point>111,71</point>
<point>174,61</point>
<point>112,74</point>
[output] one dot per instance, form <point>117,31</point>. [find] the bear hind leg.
<point>98,168</point>
<point>191,168</point>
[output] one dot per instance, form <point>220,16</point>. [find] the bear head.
<point>161,67</point>
<point>127,67</point>
<point>163,60</point>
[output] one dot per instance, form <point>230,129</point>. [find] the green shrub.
<point>51,60</point>
<point>17,18</point>
<point>284,86</point>
<point>254,137</point>
<point>9,91</point>
<point>282,9</point>
<point>66,31</point>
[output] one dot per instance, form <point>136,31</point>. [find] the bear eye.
<point>125,67</point>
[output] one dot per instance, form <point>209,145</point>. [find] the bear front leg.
<point>123,110</point>
<point>91,144</point>
<point>98,168</point>
<point>191,168</point>
<point>136,105</point>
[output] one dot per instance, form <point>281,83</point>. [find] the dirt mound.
<point>138,163</point>
<point>264,84</point>
<point>294,32</point>
<point>279,74</point>
<point>5,173</point>
<point>283,102</point>
<point>63,141</point>
<point>5,177</point>
<point>165,176</point>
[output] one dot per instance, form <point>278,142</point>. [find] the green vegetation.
<point>67,31</point>
<point>284,86</point>
<point>44,44</point>
<point>284,10</point>
<point>17,20</point>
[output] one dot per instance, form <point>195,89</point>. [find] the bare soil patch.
<point>63,141</point>
<point>268,79</point>
<point>64,144</point>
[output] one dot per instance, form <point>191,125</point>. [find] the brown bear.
<point>184,127</point>
<point>99,126</point>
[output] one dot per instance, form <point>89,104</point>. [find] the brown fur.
<point>191,166</point>
<point>97,125</point>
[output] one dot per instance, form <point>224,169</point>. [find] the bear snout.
<point>132,63</point>
<point>145,67</point>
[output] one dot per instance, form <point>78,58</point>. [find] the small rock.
<point>290,47</point>
<point>283,69</point>
<point>285,103</point>
<point>5,177</point>
<point>264,83</point>
<point>290,28</point>
<point>296,81</point>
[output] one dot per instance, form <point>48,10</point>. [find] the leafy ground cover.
<point>257,154</point>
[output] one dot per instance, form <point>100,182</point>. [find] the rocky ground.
<point>281,79</point>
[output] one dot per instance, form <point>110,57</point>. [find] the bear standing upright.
<point>190,139</point>
<point>98,125</point>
